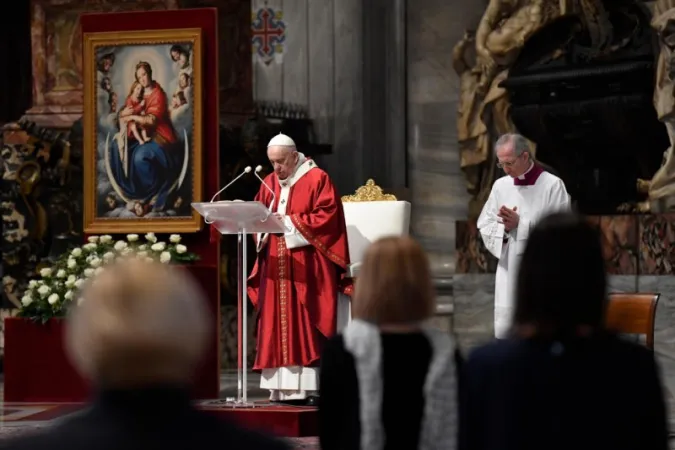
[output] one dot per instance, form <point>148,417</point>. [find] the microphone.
<point>246,170</point>
<point>274,198</point>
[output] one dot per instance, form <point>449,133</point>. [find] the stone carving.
<point>40,202</point>
<point>483,112</point>
<point>661,188</point>
<point>483,106</point>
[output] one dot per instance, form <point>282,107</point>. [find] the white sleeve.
<point>558,200</point>
<point>294,239</point>
<point>491,227</point>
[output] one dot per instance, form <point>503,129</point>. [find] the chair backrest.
<point>370,215</point>
<point>633,314</point>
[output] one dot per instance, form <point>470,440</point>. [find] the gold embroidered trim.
<point>316,243</point>
<point>283,288</point>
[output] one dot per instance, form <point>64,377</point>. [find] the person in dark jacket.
<point>138,335</point>
<point>560,381</point>
<point>389,381</point>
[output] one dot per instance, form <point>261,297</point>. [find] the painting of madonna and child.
<point>146,170</point>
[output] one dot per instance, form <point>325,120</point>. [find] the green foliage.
<point>58,286</point>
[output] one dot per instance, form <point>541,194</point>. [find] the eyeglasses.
<point>502,164</point>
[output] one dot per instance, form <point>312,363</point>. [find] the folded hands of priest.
<point>510,217</point>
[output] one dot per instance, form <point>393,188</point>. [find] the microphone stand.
<point>241,309</point>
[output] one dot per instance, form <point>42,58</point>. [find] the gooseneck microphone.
<point>274,197</point>
<point>246,170</point>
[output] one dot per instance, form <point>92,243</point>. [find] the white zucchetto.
<point>281,140</point>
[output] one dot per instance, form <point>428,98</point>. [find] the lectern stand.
<point>240,218</point>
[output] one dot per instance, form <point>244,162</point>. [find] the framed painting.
<point>142,131</point>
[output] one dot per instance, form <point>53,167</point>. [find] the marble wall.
<point>320,69</point>
<point>439,195</point>
<point>344,60</point>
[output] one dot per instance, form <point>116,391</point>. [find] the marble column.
<point>439,195</point>
<point>384,92</point>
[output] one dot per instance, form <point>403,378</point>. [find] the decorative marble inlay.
<point>656,243</point>
<point>471,254</point>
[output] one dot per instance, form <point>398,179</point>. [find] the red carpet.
<point>281,421</point>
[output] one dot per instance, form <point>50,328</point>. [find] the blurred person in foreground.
<point>560,381</point>
<point>138,335</point>
<point>389,381</point>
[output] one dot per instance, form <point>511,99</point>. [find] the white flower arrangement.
<point>50,296</point>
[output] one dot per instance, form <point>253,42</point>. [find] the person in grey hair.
<point>514,206</point>
<point>138,334</point>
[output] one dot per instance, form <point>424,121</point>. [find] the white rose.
<point>142,254</point>
<point>120,245</point>
<point>71,263</point>
<point>77,252</point>
<point>53,299</point>
<point>88,272</point>
<point>46,272</point>
<point>70,283</point>
<point>150,237</point>
<point>132,237</point>
<point>32,284</point>
<point>92,239</point>
<point>68,295</point>
<point>61,273</point>
<point>72,278</point>
<point>44,290</point>
<point>165,257</point>
<point>79,283</point>
<point>106,238</point>
<point>26,300</point>
<point>142,248</point>
<point>149,260</point>
<point>95,262</point>
<point>180,248</point>
<point>109,256</point>
<point>127,251</point>
<point>158,247</point>
<point>98,270</point>
<point>174,238</point>
<point>89,247</point>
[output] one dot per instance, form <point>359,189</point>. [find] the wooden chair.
<point>633,314</point>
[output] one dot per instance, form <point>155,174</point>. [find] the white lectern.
<point>241,218</point>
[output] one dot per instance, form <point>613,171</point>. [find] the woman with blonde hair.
<point>389,381</point>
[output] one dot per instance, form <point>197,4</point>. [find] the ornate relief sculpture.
<point>661,188</point>
<point>483,112</point>
<point>39,202</point>
<point>483,105</point>
<point>369,192</point>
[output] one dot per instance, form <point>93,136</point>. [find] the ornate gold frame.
<point>183,224</point>
<point>369,192</point>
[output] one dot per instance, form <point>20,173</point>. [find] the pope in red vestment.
<point>297,276</point>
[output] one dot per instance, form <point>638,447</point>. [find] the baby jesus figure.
<point>136,103</point>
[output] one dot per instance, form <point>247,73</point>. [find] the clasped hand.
<point>510,217</point>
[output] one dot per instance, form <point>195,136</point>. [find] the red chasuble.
<point>295,290</point>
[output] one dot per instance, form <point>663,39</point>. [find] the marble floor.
<point>22,418</point>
